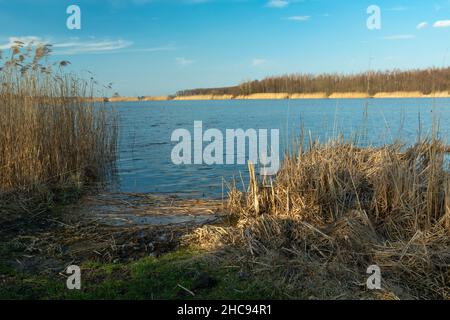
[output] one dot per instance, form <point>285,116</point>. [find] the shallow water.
<point>125,220</point>
<point>146,127</point>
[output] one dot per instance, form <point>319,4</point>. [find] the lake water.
<point>145,146</point>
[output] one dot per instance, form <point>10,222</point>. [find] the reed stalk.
<point>53,138</point>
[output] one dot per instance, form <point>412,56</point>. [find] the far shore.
<point>283,96</point>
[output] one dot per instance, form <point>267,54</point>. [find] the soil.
<point>107,227</point>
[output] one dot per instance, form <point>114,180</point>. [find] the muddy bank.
<point>105,228</point>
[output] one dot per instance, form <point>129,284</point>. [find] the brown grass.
<point>51,137</point>
<point>333,210</point>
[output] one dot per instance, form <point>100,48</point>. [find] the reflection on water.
<point>146,127</point>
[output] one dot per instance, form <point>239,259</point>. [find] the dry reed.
<point>51,137</point>
<point>333,210</point>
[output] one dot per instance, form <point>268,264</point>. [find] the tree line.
<point>423,80</point>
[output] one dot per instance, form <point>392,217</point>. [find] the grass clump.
<point>53,139</point>
<point>183,274</point>
<point>333,210</point>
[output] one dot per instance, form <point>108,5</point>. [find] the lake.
<point>145,165</point>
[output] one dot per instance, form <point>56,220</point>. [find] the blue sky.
<point>153,47</point>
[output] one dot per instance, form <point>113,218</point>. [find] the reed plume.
<point>52,136</point>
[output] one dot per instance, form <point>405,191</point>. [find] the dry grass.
<point>333,210</point>
<point>51,137</point>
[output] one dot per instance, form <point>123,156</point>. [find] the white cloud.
<point>422,25</point>
<point>183,61</point>
<point>158,49</point>
<point>73,46</point>
<point>258,62</point>
<point>400,37</point>
<point>25,40</point>
<point>299,18</point>
<point>93,46</point>
<point>277,3</point>
<point>442,24</point>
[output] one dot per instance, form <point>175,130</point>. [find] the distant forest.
<point>426,81</point>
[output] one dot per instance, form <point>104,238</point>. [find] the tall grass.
<point>334,209</point>
<point>52,137</point>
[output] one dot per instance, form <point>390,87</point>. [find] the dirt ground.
<point>108,227</point>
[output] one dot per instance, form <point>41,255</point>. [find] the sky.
<point>157,47</point>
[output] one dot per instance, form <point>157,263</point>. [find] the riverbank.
<point>127,246</point>
<point>332,212</point>
<point>284,96</point>
<point>127,249</point>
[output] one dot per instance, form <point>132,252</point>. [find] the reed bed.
<point>333,210</point>
<point>53,138</point>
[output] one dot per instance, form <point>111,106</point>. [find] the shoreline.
<point>283,96</point>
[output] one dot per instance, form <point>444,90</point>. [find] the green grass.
<point>147,278</point>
